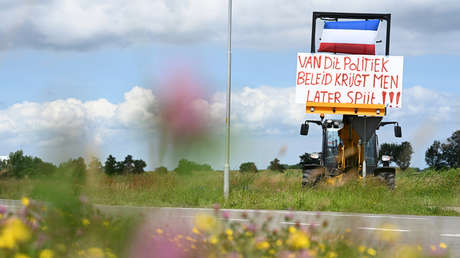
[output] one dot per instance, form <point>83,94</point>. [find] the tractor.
<point>350,144</point>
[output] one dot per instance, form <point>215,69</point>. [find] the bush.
<point>161,170</point>
<point>187,166</point>
<point>19,165</point>
<point>248,167</point>
<point>275,165</point>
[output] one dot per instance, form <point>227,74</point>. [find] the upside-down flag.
<point>349,37</point>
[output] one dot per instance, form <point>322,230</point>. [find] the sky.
<point>83,78</point>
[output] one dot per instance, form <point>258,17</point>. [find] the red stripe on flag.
<point>347,48</point>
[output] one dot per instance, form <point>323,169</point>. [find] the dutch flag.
<point>349,37</point>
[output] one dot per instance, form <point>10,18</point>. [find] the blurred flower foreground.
<point>76,229</point>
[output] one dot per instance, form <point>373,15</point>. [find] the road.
<point>422,230</point>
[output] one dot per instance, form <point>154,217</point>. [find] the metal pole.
<point>364,150</point>
<point>227,117</point>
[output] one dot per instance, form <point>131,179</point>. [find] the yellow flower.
<point>81,252</point>
<point>159,231</point>
<point>332,255</point>
<point>14,232</point>
<point>195,231</point>
<point>433,248</point>
<point>205,222</point>
<point>292,229</point>
<point>213,240</point>
<point>248,233</point>
<point>46,253</point>
<point>229,232</point>
<point>279,242</point>
<point>348,230</point>
<point>1,215</point>
<point>443,245</point>
<point>361,249</point>
<point>19,255</point>
<point>106,223</point>
<point>271,251</point>
<point>298,240</point>
<point>95,252</point>
<point>230,238</point>
<point>25,201</point>
<point>85,222</point>
<point>263,245</point>
<point>371,251</point>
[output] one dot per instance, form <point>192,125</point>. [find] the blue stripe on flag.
<point>353,25</point>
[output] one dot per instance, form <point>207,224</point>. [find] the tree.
<point>446,154</point>
<point>404,155</point>
<point>275,165</point>
<point>433,156</point>
<point>128,165</point>
<point>94,164</point>
<point>451,150</point>
<point>401,154</point>
<point>248,167</point>
<point>110,167</point>
<point>139,166</point>
<point>186,166</point>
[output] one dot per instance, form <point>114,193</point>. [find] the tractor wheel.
<point>388,178</point>
<point>311,177</point>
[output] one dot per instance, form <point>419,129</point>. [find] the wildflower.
<point>205,222</point>
<point>226,215</point>
<point>332,255</point>
<point>263,245</point>
<point>322,247</point>
<point>2,209</point>
<point>279,242</point>
<point>81,252</point>
<point>25,201</point>
<point>14,232</point>
<point>229,232</point>
<point>371,251</point>
<point>292,229</point>
<point>230,238</point>
<point>272,251</point>
<point>159,231</point>
<point>298,240</point>
<point>433,248</point>
<point>46,253</point>
<point>348,230</point>
<point>361,248</point>
<point>213,240</point>
<point>106,223</point>
<point>20,255</point>
<point>443,245</point>
<point>85,222</point>
<point>95,252</point>
<point>195,231</point>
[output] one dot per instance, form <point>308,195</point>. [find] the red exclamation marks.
<point>392,94</point>
<point>384,95</point>
<point>398,95</point>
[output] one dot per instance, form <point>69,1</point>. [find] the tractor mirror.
<point>398,132</point>
<point>304,129</point>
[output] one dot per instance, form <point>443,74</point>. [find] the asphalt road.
<point>422,230</point>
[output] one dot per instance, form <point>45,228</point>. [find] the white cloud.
<point>418,27</point>
<point>261,111</point>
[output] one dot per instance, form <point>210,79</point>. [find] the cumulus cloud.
<point>418,27</point>
<point>261,112</point>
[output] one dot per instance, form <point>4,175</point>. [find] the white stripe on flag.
<point>349,36</point>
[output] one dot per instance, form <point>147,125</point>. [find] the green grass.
<point>426,193</point>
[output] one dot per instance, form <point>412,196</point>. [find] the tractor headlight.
<point>386,158</point>
<point>314,156</point>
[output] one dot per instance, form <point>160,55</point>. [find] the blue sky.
<point>85,68</point>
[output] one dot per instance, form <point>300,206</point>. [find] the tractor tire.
<point>311,177</point>
<point>388,178</point>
